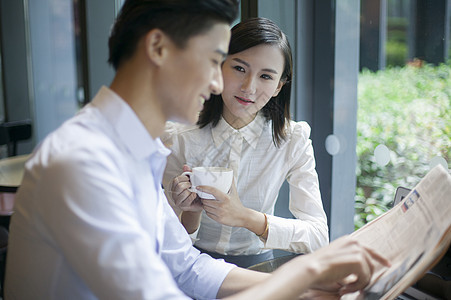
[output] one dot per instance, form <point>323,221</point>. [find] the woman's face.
<point>251,78</point>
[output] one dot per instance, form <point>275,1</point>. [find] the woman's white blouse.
<point>260,168</point>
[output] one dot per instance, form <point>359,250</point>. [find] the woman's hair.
<point>179,19</point>
<point>247,34</point>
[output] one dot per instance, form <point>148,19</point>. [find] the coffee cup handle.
<point>192,188</point>
<point>187,173</point>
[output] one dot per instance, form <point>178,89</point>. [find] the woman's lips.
<point>244,101</point>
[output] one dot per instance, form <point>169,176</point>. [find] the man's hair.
<point>179,19</point>
<point>247,34</point>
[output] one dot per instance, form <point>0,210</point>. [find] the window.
<point>404,101</point>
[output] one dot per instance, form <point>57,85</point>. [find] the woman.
<point>248,129</point>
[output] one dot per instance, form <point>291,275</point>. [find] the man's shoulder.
<point>78,140</point>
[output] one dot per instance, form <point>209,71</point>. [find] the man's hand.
<point>347,263</point>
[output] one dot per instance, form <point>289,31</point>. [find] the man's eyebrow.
<point>247,65</point>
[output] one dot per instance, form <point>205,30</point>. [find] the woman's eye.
<point>266,76</point>
<point>239,68</point>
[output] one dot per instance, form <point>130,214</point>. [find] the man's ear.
<point>279,87</point>
<point>156,43</point>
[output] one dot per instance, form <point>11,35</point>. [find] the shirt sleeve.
<point>309,230</point>
<point>174,165</point>
<point>204,275</point>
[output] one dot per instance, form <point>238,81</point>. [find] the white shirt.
<point>260,168</point>
<point>91,220</point>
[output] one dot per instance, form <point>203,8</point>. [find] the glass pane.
<point>3,148</point>
<point>404,116</point>
<point>54,68</point>
<point>2,100</point>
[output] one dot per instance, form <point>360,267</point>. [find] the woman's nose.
<point>248,85</point>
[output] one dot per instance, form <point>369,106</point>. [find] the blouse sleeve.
<point>175,161</point>
<point>174,165</point>
<point>309,230</point>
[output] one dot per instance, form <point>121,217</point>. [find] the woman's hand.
<point>181,195</point>
<point>226,209</point>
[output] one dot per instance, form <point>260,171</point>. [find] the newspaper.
<point>413,235</point>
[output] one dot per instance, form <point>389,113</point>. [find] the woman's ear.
<point>279,87</point>
<point>156,42</point>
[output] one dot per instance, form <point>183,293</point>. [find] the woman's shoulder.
<point>298,130</point>
<point>172,127</point>
<point>175,130</point>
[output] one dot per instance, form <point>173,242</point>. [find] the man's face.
<point>194,73</point>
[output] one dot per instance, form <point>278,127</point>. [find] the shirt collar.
<point>127,125</point>
<point>251,132</point>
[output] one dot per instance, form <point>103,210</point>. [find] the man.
<point>91,220</point>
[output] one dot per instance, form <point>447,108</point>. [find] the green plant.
<point>409,110</point>
<point>396,53</point>
<point>396,47</point>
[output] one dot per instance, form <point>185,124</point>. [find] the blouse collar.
<point>251,132</point>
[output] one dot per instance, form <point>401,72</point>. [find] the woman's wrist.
<point>264,234</point>
<point>191,220</point>
<point>257,222</point>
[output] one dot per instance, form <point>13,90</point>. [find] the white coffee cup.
<point>218,177</point>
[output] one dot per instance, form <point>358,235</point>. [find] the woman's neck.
<point>236,122</point>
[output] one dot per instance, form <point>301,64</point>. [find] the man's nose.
<point>217,83</point>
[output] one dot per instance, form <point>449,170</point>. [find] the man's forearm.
<point>287,282</point>
<point>240,279</point>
